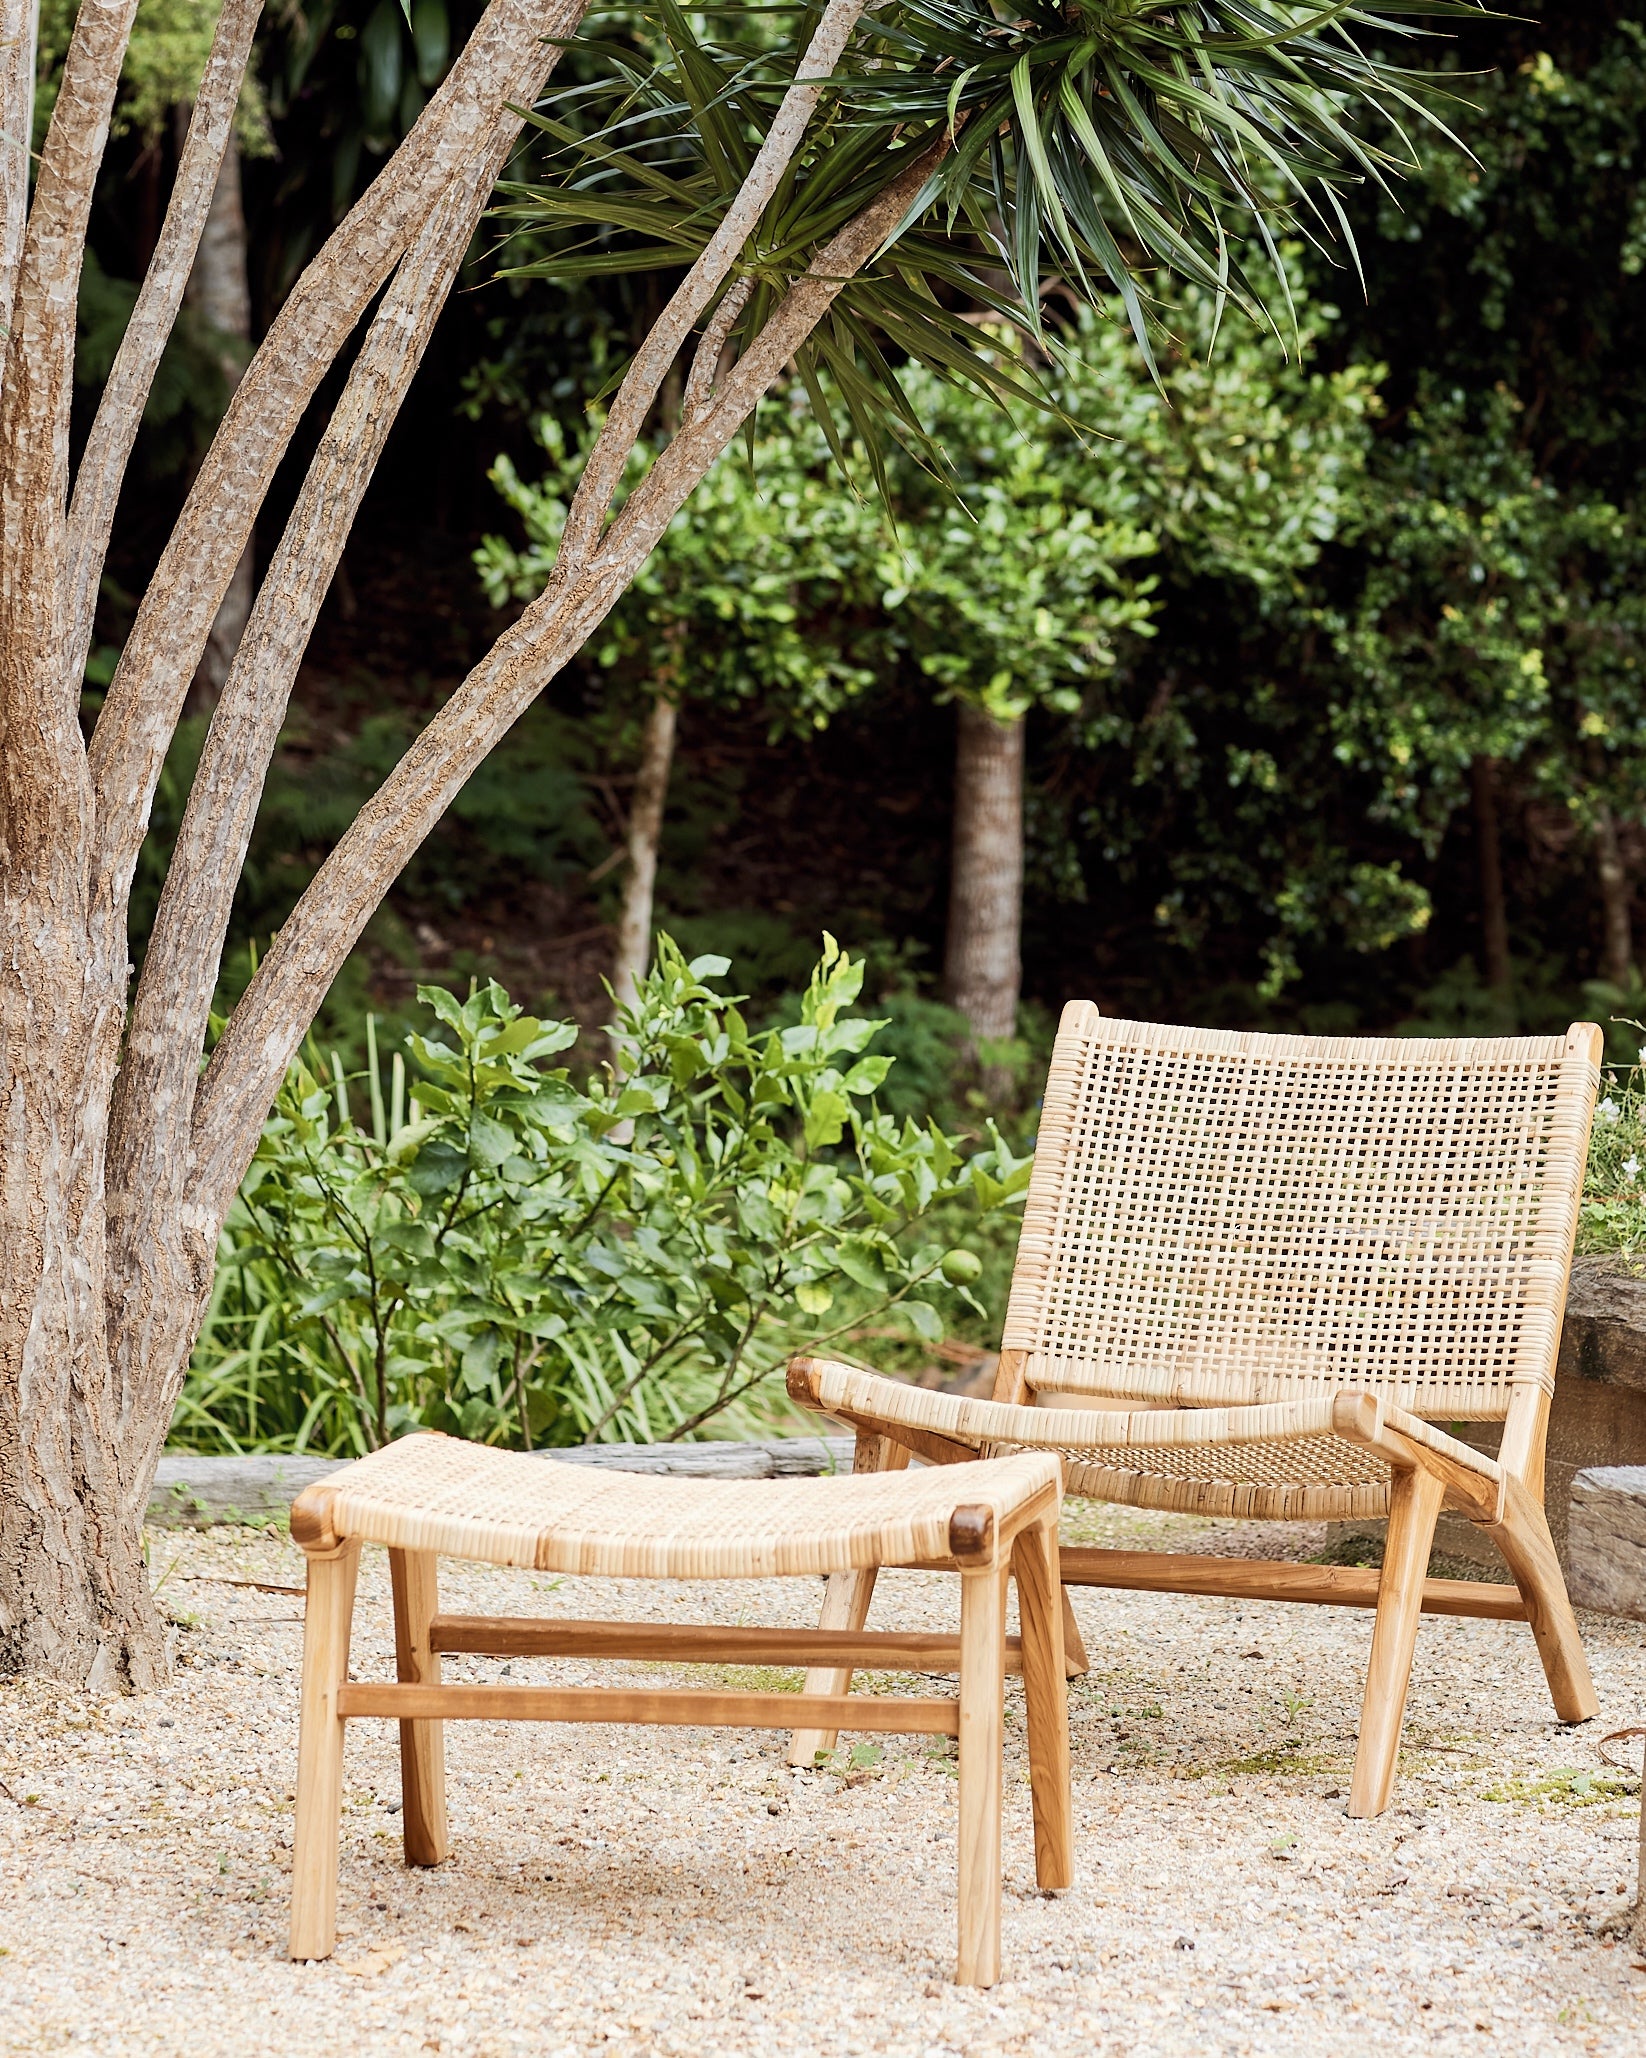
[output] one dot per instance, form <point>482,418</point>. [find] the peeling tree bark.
<point>161,1250</point>
<point>17,20</point>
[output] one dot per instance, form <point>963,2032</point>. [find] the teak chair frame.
<point>987,1535</point>
<point>1206,1383</point>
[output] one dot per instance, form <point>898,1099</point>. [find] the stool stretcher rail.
<point>689,1709</point>
<point>869,1650</point>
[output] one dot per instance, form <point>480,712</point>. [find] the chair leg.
<point>982,1736</point>
<point>414,1576</point>
<point>846,1601</point>
<point>1075,1662</point>
<point>1523,1538</point>
<point>1414,1505</point>
<point>327,1618</point>
<point>1046,1697</point>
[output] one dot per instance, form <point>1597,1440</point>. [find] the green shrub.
<point>1612,1220</point>
<point>495,1248</point>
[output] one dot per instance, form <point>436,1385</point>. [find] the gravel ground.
<point>683,1892</point>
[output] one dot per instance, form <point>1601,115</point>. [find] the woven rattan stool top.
<point>434,1493</point>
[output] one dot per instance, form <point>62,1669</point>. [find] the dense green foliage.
<point>487,1245</point>
<point>1266,606</point>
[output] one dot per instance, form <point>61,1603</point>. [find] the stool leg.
<point>982,1735</point>
<point>846,1601</point>
<point>415,1576</point>
<point>1046,1696</point>
<point>327,1617</point>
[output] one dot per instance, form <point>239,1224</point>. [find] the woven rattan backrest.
<point>1218,1217</point>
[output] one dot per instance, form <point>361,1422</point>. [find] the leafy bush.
<point>1613,1216</point>
<point>502,1251</point>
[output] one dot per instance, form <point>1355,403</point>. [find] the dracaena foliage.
<point>1092,144</point>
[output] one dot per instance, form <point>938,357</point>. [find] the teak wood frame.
<point>984,1553</point>
<point>1504,1499</point>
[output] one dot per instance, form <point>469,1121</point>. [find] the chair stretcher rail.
<point>1261,1579</point>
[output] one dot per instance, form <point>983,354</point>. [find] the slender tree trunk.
<point>1494,908</point>
<point>651,792</point>
<point>1617,956</point>
<point>219,290</point>
<point>982,966</point>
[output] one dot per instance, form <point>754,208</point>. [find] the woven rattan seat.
<point>431,1495</point>
<point>1256,1274</point>
<point>434,1493</point>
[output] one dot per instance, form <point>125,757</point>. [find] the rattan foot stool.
<point>431,1495</point>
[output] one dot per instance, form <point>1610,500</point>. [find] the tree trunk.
<point>1617,957</point>
<point>219,290</point>
<point>91,1355</point>
<point>118,1158</point>
<point>75,1601</point>
<point>651,792</point>
<point>1494,910</point>
<point>982,965</point>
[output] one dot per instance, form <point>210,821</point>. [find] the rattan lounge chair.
<point>1256,1276</point>
<point>431,1495</point>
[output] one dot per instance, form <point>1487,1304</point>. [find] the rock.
<point>1605,1335</point>
<point>1606,1540</point>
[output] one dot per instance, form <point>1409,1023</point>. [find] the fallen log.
<point>193,1491</point>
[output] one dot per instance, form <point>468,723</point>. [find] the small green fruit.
<point>962,1268</point>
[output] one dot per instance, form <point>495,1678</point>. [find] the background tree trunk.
<point>1494,910</point>
<point>219,290</point>
<point>1617,955</point>
<point>982,966</point>
<point>651,792</point>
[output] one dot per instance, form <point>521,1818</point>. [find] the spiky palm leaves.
<point>1089,142</point>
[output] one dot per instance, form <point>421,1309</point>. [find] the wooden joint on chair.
<point>1011,1384</point>
<point>972,1535</point>
<point>802,1381</point>
<point>1478,1497</point>
<point>1358,1417</point>
<point>924,1443</point>
<point>311,1523</point>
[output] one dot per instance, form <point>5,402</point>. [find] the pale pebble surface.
<point>681,1891</point>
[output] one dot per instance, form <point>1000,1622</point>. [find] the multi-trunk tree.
<point>806,210</point>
